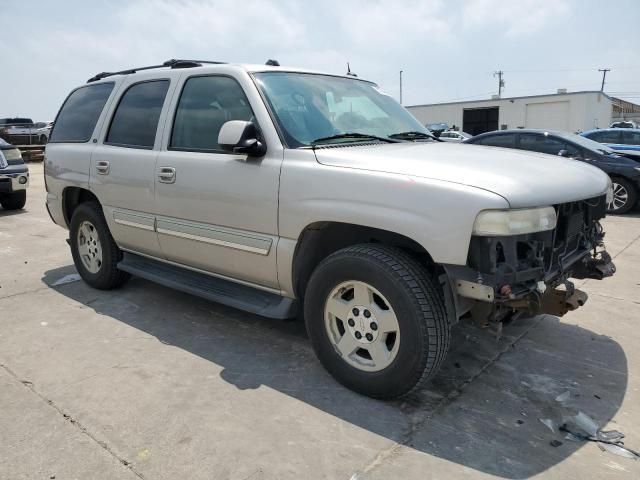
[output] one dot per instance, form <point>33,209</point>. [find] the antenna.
<point>349,72</point>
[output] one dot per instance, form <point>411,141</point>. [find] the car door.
<point>123,165</point>
<point>630,140</point>
<point>217,211</point>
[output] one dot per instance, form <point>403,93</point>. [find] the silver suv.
<point>281,191</point>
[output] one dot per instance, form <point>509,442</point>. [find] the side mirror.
<point>238,136</point>
<point>563,153</point>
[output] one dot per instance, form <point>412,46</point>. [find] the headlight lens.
<point>514,222</point>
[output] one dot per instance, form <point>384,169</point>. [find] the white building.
<point>573,112</point>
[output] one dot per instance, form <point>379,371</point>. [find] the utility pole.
<point>400,87</point>
<point>604,75</point>
<point>499,73</point>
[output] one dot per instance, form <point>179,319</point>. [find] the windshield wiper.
<point>354,135</point>
<point>413,135</point>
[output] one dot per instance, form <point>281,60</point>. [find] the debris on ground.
<point>73,277</point>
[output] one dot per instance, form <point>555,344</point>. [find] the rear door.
<point>123,164</point>
<point>630,140</point>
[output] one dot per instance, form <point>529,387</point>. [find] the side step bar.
<point>212,288</point>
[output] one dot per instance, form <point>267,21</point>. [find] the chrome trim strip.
<point>133,220</point>
<point>214,241</point>
<point>133,224</point>
<point>211,274</point>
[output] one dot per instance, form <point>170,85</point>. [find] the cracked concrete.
<point>149,383</point>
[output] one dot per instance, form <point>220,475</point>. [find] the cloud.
<point>515,18</point>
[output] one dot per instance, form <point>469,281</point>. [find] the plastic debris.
<point>73,277</point>
<point>548,423</point>
<point>581,427</point>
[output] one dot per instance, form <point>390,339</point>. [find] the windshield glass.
<point>586,143</point>
<point>309,107</point>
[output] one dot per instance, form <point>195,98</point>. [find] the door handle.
<point>167,175</point>
<point>102,167</point>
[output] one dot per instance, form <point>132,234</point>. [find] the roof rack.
<point>173,63</point>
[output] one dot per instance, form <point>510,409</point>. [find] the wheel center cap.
<point>362,324</point>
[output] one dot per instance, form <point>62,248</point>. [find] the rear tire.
<point>625,196</point>
<point>94,251</point>
<point>411,335</point>
<point>14,201</point>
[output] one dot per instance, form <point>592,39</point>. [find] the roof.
<point>211,66</point>
<point>523,130</point>
<point>611,130</point>
<point>502,99</point>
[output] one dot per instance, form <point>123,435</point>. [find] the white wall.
<point>585,111</point>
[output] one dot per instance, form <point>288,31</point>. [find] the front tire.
<point>94,251</point>
<point>376,320</point>
<point>625,196</point>
<point>14,201</point>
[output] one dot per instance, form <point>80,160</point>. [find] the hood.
<point>524,179</point>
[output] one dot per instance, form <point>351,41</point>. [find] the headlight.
<point>514,222</point>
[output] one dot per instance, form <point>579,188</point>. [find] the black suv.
<point>624,172</point>
<point>14,177</point>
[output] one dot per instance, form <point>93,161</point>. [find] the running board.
<point>212,288</point>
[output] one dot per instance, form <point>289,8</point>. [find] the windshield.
<point>586,143</point>
<point>309,107</point>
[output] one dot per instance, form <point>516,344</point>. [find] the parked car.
<point>280,190</point>
<point>18,131</point>
<point>624,172</point>
<point>625,141</point>
<point>14,177</point>
<point>454,136</point>
<point>437,128</point>
<point>624,124</point>
<point>43,129</point>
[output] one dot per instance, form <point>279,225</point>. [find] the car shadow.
<point>10,213</point>
<point>495,406</point>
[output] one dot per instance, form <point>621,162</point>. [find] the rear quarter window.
<point>79,114</point>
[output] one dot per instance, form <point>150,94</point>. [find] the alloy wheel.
<point>620,197</point>
<point>362,326</point>
<point>89,247</point>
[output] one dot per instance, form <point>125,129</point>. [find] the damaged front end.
<point>528,273</point>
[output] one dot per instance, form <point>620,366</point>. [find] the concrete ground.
<point>145,382</point>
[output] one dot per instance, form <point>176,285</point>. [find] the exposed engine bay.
<point>529,273</point>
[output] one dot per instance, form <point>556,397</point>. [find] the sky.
<point>448,50</point>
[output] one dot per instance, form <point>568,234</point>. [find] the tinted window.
<point>206,103</point>
<point>136,119</point>
<point>609,136</point>
<point>79,114</point>
<point>541,143</point>
<point>631,138</point>
<point>506,140</point>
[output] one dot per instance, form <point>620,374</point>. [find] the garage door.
<point>550,115</point>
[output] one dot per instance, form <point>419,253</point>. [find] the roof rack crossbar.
<point>173,63</point>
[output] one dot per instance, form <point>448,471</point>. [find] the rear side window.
<point>205,105</point>
<point>135,120</point>
<point>79,113</point>
<point>541,143</point>
<point>606,136</point>
<point>505,140</point>
<point>630,138</point>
